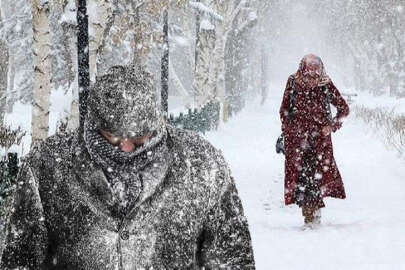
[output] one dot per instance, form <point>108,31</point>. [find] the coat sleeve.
<point>342,108</point>
<point>26,234</point>
<point>285,105</point>
<point>226,241</point>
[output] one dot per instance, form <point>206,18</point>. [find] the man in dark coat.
<point>311,172</point>
<point>131,193</point>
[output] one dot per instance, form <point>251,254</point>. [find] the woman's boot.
<point>317,217</point>
<point>308,213</point>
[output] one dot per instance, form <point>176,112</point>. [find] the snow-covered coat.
<point>309,117</point>
<point>190,219</point>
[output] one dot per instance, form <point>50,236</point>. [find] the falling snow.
<point>132,192</point>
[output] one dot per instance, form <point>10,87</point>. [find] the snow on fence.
<point>203,120</point>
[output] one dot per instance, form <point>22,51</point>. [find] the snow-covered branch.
<point>236,11</point>
<point>203,9</point>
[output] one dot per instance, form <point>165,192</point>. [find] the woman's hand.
<point>324,81</point>
<point>327,130</point>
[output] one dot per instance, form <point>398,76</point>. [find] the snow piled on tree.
<point>204,9</point>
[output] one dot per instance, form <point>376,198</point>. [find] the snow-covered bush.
<point>8,174</point>
<point>9,137</point>
<point>387,124</point>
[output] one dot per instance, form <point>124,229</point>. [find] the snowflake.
<point>318,176</point>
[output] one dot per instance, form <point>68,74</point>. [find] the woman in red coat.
<point>311,172</point>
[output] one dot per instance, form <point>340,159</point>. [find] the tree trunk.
<point>221,89</point>
<point>4,60</point>
<point>11,81</point>
<point>42,71</point>
<point>74,117</point>
<point>203,90</point>
<point>4,57</point>
<point>83,59</point>
<point>217,77</point>
<point>97,24</point>
<point>165,65</point>
<point>71,58</point>
<point>197,37</point>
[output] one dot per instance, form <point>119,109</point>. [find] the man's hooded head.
<point>123,102</point>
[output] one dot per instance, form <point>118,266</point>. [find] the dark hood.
<point>123,102</point>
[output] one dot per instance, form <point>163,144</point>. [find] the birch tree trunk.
<point>203,90</point>
<point>4,58</point>
<point>189,34</point>
<point>71,56</point>
<point>97,26</point>
<point>74,118</point>
<point>42,70</point>
<point>229,13</point>
<point>11,81</point>
<point>220,47</point>
<point>63,26</point>
<point>217,76</point>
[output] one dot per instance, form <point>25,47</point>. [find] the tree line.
<point>199,50</point>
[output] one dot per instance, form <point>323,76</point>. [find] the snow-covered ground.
<point>365,231</point>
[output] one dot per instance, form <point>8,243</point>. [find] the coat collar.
<point>176,169</point>
<point>153,178</point>
<point>91,179</point>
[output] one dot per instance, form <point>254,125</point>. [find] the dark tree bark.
<point>83,59</point>
<point>165,65</point>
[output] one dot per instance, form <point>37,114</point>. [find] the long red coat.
<point>310,117</point>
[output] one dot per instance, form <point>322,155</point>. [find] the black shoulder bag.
<point>280,145</point>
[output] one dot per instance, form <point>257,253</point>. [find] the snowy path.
<point>365,231</point>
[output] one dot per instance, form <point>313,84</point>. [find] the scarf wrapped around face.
<point>311,78</point>
<point>124,170</point>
